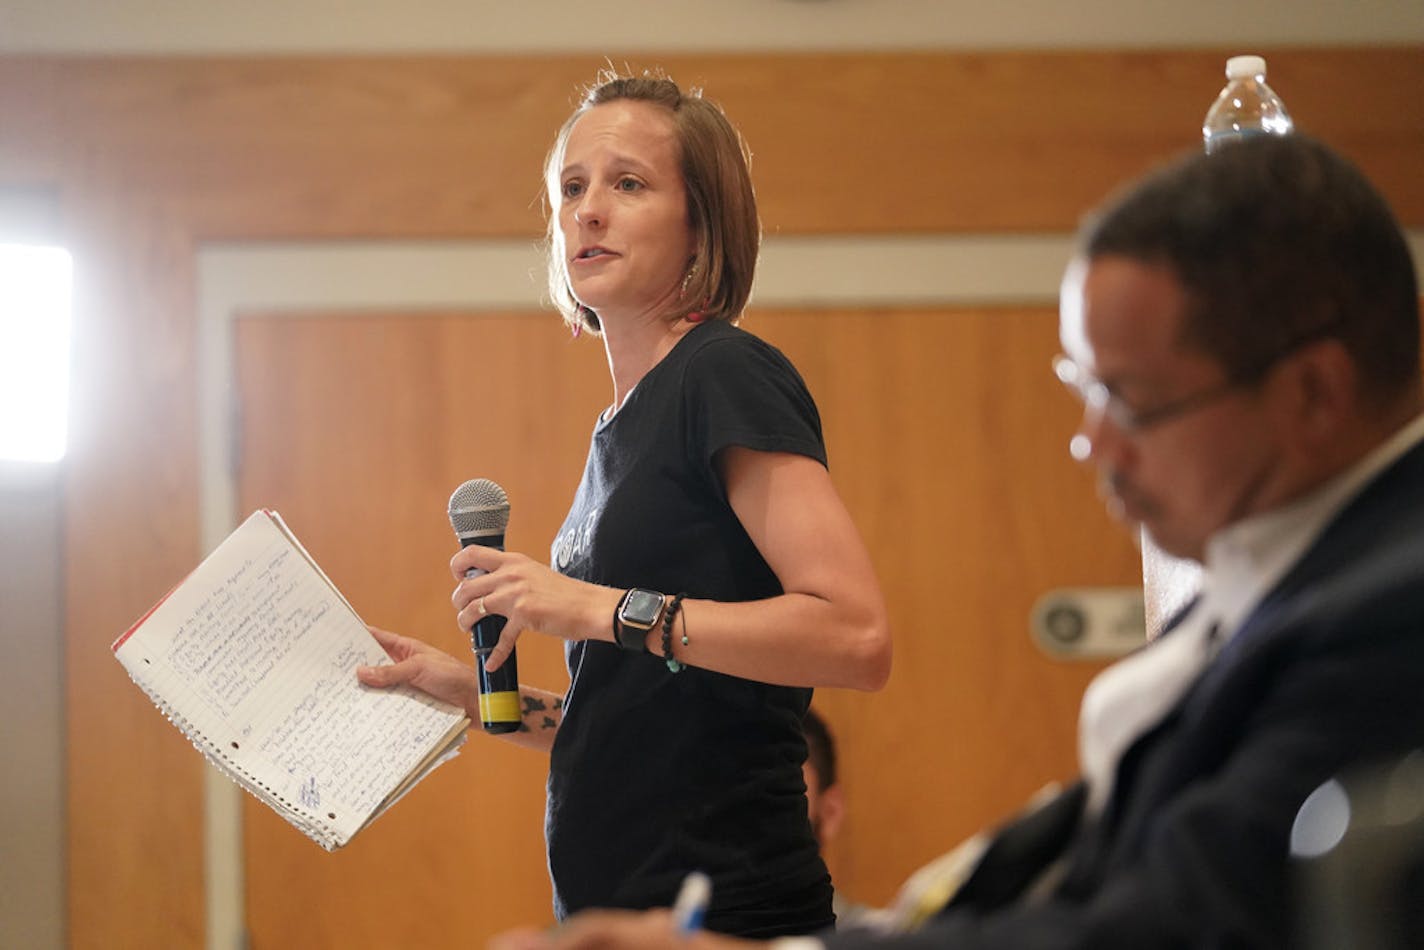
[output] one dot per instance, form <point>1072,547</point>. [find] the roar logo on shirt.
<point>575,542</point>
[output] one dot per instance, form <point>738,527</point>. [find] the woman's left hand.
<point>530,596</point>
<point>428,669</point>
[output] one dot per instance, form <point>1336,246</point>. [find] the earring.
<point>687,280</point>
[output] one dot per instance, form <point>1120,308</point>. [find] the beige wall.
<point>32,834</point>
<point>31,706</point>
<point>492,26</point>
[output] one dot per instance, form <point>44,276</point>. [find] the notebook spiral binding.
<point>312,825</point>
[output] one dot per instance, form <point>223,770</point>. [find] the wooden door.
<point>948,439</point>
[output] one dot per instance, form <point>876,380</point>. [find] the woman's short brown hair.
<point>721,204</point>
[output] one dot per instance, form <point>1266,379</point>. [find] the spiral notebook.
<point>253,657</point>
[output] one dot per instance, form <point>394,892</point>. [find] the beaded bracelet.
<point>668,619</point>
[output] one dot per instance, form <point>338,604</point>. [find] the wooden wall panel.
<point>357,430</point>
<point>947,436</point>
<point>1020,141</point>
<point>153,156</point>
<point>135,785</point>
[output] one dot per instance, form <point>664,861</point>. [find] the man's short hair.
<point>1277,241</point>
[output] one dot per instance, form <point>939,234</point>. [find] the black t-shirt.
<point>654,774</point>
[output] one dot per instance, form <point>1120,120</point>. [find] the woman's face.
<point>622,207</point>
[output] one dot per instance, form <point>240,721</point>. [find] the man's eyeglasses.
<point>1098,397</point>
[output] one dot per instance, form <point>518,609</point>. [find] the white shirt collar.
<point>1243,562</point>
<point>1246,559</point>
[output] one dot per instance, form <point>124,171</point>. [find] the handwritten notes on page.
<point>253,656</point>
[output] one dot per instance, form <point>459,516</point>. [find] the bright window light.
<point>34,352</point>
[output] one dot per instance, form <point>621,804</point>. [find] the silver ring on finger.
<point>480,605</point>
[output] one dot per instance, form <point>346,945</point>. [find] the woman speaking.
<point>708,574</point>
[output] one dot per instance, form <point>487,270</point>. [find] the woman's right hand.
<point>424,667</point>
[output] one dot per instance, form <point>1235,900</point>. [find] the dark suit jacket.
<point>1192,850</point>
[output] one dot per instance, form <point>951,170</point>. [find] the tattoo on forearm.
<point>533,704</point>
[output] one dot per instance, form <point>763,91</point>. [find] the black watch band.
<point>637,614</point>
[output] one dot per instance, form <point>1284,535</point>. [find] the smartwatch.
<point>638,612</point>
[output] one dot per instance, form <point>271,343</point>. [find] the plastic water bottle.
<point>1246,106</point>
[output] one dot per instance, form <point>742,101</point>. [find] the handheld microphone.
<point>479,513</point>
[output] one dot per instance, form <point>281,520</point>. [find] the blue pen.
<point>692,901</point>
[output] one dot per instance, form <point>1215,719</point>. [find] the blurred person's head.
<point>825,800</point>
<point>1241,327</point>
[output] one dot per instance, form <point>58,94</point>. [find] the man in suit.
<point>1243,329</point>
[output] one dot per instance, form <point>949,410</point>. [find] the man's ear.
<point>1325,398</point>
<point>832,811</point>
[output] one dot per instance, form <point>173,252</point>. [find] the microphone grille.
<point>479,507</point>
